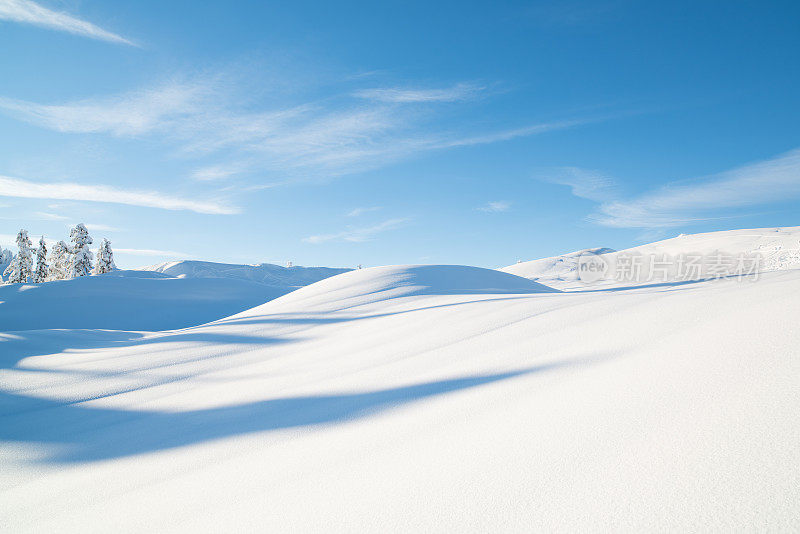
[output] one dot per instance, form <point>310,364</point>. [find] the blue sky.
<point>345,133</point>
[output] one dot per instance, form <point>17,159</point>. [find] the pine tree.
<point>81,261</point>
<point>40,274</point>
<point>105,258</point>
<point>5,256</point>
<point>19,270</point>
<point>59,262</point>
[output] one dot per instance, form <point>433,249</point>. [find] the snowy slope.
<point>381,283</point>
<point>265,273</point>
<point>127,300</point>
<point>778,246</point>
<point>437,398</point>
<point>779,249</point>
<point>554,270</point>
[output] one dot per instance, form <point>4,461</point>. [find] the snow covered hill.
<point>777,248</point>
<point>381,283</point>
<point>163,297</point>
<point>418,398</point>
<point>265,273</point>
<point>128,300</point>
<point>555,270</point>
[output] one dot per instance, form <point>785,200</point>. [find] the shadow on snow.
<point>79,433</point>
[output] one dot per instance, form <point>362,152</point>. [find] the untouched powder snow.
<point>161,297</point>
<point>380,283</point>
<point>265,273</point>
<point>127,300</point>
<point>417,398</point>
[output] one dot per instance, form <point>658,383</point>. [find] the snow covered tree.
<point>20,268</point>
<point>5,258</point>
<point>81,260</point>
<point>59,262</point>
<point>40,274</point>
<point>105,258</point>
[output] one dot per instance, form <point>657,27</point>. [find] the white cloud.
<point>28,12</point>
<point>496,206</point>
<point>100,228</point>
<point>507,135</point>
<point>773,180</point>
<point>584,183</point>
<point>128,114</point>
<point>50,216</point>
<point>149,252</point>
<point>12,187</point>
<point>214,173</point>
<point>358,234</point>
<point>459,92</point>
<point>204,117</point>
<point>360,211</point>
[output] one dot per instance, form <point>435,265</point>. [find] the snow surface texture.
<point>265,273</point>
<point>555,270</point>
<point>779,249</point>
<point>169,296</point>
<point>127,300</point>
<point>417,398</point>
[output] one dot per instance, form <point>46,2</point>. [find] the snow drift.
<point>265,273</point>
<point>162,297</point>
<point>380,283</point>
<point>127,300</point>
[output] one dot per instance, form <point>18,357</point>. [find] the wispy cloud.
<point>496,206</point>
<point>150,252</point>
<point>100,227</point>
<point>128,114</point>
<point>12,187</point>
<point>204,118</point>
<point>50,216</point>
<point>28,12</point>
<point>215,172</point>
<point>773,180</point>
<point>358,234</point>
<point>458,92</point>
<point>47,216</point>
<point>509,134</point>
<point>361,211</point>
<point>584,183</point>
